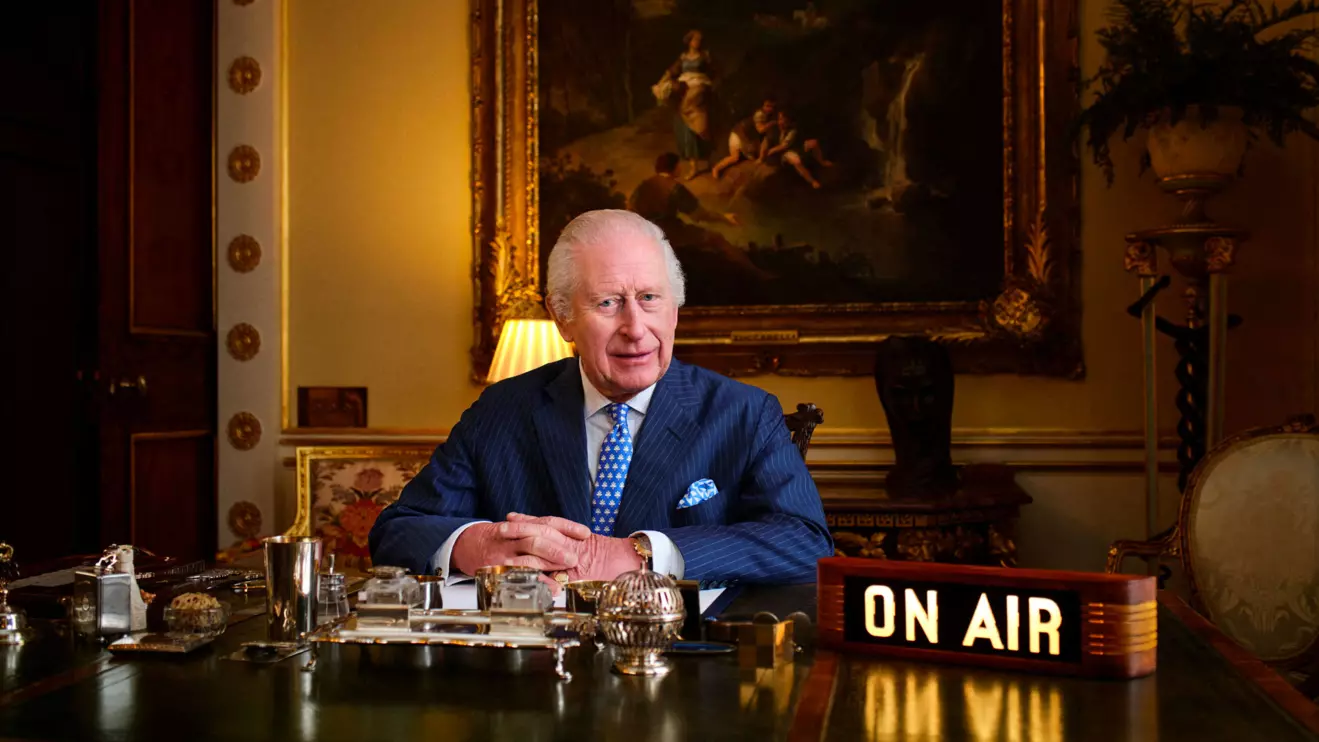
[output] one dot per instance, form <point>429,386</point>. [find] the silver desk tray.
<point>159,642</point>
<point>456,628</point>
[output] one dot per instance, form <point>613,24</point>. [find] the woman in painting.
<point>689,83</point>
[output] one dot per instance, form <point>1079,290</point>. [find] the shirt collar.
<point>595,401</point>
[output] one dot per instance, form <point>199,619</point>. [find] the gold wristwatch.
<point>641,542</point>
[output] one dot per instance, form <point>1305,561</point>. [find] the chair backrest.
<point>341,491</point>
<point>801,424</point>
<point>1250,539</point>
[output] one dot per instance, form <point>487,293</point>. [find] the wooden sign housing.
<point>1046,621</point>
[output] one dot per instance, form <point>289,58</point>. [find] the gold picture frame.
<point>1032,326</point>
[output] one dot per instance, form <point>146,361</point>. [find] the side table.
<point>976,525</point>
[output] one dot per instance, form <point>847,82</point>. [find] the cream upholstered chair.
<point>1248,538</point>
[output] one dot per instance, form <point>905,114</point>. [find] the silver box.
<point>102,602</point>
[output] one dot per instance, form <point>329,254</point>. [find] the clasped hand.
<point>549,544</point>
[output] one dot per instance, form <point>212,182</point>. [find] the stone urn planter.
<point>1194,147</point>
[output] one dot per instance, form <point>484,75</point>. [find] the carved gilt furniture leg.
<point>1169,545</point>
<point>1003,544</point>
<point>558,664</point>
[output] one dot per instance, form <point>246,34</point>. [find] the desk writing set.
<point>1038,621</point>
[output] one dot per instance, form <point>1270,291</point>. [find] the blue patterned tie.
<point>615,455</point>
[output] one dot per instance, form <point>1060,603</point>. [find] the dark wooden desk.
<point>55,690</point>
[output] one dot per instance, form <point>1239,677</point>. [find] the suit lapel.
<point>667,433</point>
<point>561,429</point>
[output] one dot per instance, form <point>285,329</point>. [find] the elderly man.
<point>589,467</point>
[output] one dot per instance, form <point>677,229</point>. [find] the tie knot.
<point>617,412</point>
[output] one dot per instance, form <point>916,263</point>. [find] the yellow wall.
<point>379,287</point>
<point>380,290</point>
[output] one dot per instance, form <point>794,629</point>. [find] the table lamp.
<point>525,344</point>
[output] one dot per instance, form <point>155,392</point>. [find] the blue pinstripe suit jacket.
<point>521,447</point>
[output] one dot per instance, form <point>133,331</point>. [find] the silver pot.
<point>640,614</point>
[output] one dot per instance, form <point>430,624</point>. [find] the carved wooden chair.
<point>1247,535</point>
<point>801,424</point>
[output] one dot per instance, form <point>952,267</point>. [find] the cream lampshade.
<point>525,344</point>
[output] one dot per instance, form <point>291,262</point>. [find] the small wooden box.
<point>1044,621</point>
<point>765,645</point>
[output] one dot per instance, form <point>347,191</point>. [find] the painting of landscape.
<point>795,153</point>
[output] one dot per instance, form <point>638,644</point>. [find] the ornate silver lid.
<point>642,596</point>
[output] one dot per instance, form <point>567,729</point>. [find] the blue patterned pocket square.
<point>699,491</point>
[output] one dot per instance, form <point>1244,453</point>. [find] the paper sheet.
<point>462,596</point>
<point>49,579</point>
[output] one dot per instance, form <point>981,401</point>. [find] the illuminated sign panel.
<point>1073,623</point>
<point>1039,624</point>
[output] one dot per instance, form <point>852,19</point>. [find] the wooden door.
<point>157,344</point>
<point>49,504</point>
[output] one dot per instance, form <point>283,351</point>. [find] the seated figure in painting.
<point>592,466</point>
<point>792,147</point>
<point>750,138</point>
<point>664,200</point>
<point>661,198</point>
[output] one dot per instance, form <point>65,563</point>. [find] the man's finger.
<point>570,528</point>
<point>524,529</point>
<point>534,562</point>
<point>546,549</point>
<point>555,587</point>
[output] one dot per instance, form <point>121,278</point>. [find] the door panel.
<point>170,184</point>
<point>165,469</point>
<point>156,229</point>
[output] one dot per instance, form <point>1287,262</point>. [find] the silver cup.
<point>432,592</point>
<point>291,586</point>
<point>583,596</point>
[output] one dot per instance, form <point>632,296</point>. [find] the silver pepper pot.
<point>13,622</point>
<point>640,614</point>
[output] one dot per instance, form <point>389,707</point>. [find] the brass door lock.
<point>139,384</point>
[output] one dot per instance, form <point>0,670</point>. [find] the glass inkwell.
<point>520,604</point>
<point>387,597</point>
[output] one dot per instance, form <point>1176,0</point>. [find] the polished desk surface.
<point>56,689</point>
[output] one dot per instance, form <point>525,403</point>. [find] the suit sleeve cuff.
<point>440,562</point>
<point>667,559</point>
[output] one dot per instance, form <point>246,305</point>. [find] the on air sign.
<point>1077,623</point>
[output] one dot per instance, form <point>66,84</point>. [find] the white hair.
<point>603,226</point>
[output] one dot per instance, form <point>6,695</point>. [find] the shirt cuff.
<point>439,563</point>
<point>665,555</point>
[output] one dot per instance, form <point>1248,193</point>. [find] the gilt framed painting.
<point>829,173</point>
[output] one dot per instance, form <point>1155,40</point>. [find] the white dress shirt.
<point>666,557</point>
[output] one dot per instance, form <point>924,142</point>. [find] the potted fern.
<point>1203,80</point>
